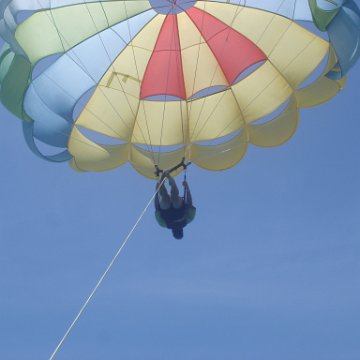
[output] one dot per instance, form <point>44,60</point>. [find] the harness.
<point>175,218</point>
<point>159,171</point>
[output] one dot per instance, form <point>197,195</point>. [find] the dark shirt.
<point>175,218</point>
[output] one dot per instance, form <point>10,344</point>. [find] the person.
<point>171,210</point>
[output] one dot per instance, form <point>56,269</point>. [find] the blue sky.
<point>269,269</point>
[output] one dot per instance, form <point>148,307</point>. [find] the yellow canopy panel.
<point>200,75</point>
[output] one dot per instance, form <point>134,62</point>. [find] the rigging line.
<point>166,91</point>
<point>201,41</point>
<point>186,138</point>
<point>164,102</point>
<point>236,118</point>
<point>50,16</point>
<point>138,75</point>
<point>82,309</point>
<point>182,79</point>
<point>209,156</point>
<point>210,114</point>
<point>222,133</point>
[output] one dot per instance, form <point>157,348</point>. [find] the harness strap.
<point>159,171</point>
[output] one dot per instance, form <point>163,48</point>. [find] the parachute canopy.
<point>149,82</point>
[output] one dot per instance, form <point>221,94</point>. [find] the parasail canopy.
<point>149,82</point>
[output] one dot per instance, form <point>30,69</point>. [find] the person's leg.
<point>163,196</point>
<point>176,200</point>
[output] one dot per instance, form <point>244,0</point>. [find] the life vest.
<point>175,218</point>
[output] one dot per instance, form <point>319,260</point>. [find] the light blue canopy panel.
<point>28,129</point>
<point>52,96</point>
<point>298,10</point>
<point>344,34</point>
<point>331,5</point>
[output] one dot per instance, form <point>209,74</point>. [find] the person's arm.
<point>188,198</point>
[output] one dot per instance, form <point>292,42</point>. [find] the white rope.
<point>103,276</point>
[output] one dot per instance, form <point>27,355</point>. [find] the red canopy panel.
<point>233,51</point>
<point>164,73</point>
